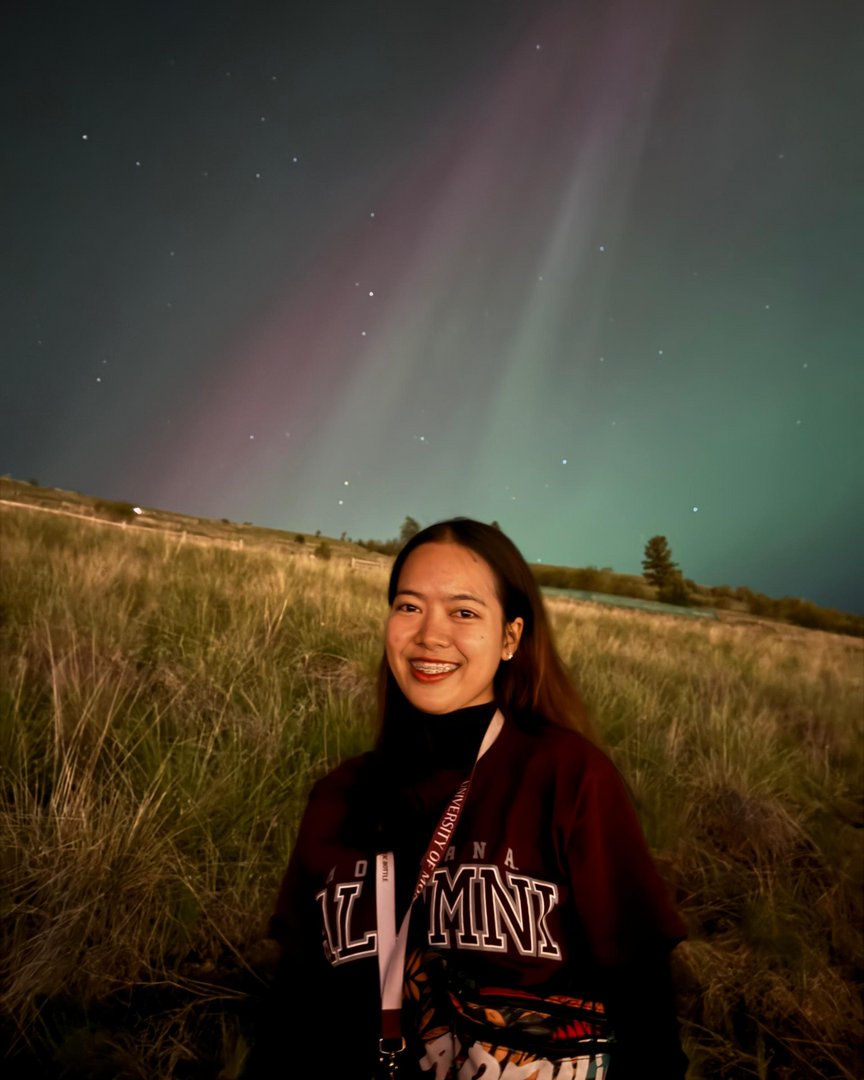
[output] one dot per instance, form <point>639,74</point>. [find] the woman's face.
<point>446,633</point>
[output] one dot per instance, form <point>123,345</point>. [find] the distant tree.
<point>657,565</point>
<point>760,604</point>
<point>114,509</point>
<point>410,528</point>
<point>381,547</point>
<point>343,535</point>
<point>299,539</point>
<point>495,525</point>
<point>674,590</point>
<point>721,597</point>
<point>322,551</point>
<point>590,579</point>
<point>317,533</point>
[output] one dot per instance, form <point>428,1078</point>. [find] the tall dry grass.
<point>744,749</point>
<point>164,708</point>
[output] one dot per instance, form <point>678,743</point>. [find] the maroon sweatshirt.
<point>547,886</point>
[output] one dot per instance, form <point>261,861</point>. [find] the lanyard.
<point>391,946</point>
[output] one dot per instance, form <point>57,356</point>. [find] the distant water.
<point>630,602</point>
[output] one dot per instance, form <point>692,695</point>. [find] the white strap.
<point>391,946</point>
<point>492,733</point>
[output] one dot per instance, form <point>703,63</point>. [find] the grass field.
<point>165,705</point>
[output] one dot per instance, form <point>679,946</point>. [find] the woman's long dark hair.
<point>535,683</point>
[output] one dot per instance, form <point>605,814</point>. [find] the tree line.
<point>662,579</point>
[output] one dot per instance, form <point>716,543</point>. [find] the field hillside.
<point>170,689</point>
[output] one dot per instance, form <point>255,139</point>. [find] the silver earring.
<point>509,655</point>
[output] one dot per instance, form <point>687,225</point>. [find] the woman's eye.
<point>464,613</point>
<point>407,607</point>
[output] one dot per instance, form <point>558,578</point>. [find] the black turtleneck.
<point>418,764</point>
<point>442,740</point>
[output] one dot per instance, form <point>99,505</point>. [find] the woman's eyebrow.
<point>454,596</point>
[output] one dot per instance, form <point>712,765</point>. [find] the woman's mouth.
<point>431,671</point>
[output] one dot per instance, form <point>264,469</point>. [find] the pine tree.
<point>659,569</point>
<point>657,565</point>
<point>410,527</point>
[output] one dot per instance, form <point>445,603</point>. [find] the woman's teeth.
<point>432,669</point>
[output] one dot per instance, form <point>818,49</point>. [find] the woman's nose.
<point>433,629</point>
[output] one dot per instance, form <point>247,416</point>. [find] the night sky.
<point>592,269</point>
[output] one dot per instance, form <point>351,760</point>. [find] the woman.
<point>531,932</point>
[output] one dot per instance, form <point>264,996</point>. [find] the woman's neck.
<point>445,740</point>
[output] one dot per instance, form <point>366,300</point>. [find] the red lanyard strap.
<point>391,946</point>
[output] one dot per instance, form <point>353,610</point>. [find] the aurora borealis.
<point>587,268</point>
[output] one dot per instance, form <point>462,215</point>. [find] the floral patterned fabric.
<point>500,1034</point>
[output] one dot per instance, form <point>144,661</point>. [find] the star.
<point>84,138</point>
<point>564,461</point>
<point>695,509</point>
<point>371,293</point>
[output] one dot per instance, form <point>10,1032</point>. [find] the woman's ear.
<point>512,637</point>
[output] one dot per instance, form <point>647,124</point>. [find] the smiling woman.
<point>475,896</point>
<point>447,634</point>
